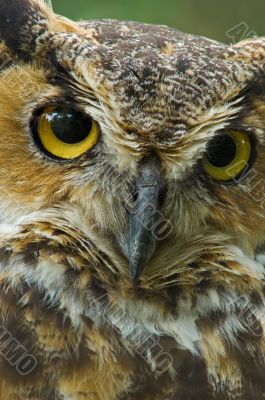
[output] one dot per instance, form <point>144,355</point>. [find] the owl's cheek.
<point>27,187</point>
<point>245,225</point>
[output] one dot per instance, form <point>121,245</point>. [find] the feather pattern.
<point>73,325</point>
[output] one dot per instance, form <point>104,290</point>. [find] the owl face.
<point>136,143</point>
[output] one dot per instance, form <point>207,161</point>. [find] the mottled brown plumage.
<point>187,322</point>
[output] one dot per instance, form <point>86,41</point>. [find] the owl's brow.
<point>73,89</point>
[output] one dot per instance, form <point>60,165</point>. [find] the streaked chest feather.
<point>210,329</point>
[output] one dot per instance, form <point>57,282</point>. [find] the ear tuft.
<point>252,50</point>
<point>49,3</point>
<point>21,23</point>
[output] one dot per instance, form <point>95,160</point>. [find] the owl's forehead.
<point>139,40</point>
<point>147,77</point>
<point>154,76</point>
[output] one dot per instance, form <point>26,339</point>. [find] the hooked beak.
<point>140,239</point>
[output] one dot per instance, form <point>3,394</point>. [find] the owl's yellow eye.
<point>228,156</point>
<point>66,133</point>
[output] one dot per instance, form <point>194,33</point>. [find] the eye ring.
<point>64,133</point>
<point>239,163</point>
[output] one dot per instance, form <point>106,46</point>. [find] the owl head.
<point>131,156</point>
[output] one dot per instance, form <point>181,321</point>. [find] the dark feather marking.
<point>18,22</point>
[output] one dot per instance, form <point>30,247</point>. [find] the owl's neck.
<point>58,272</point>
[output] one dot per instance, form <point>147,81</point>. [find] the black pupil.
<point>222,151</point>
<point>70,126</point>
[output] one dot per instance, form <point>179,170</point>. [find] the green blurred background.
<point>212,18</point>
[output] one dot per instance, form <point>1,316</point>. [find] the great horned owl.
<point>132,213</point>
